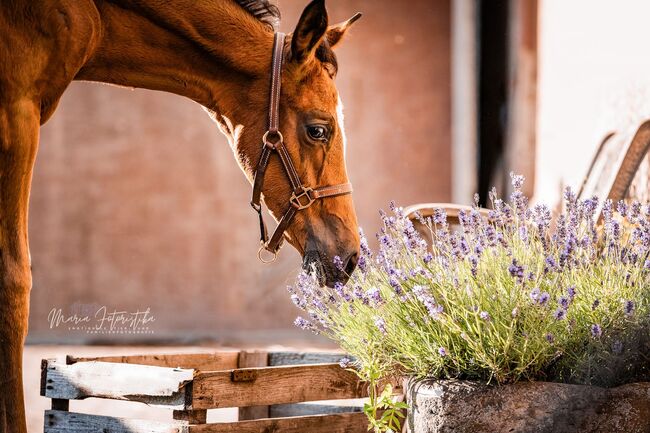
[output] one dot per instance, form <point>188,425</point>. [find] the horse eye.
<point>317,132</point>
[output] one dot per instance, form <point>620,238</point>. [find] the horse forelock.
<point>325,54</point>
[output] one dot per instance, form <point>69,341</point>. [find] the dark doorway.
<point>492,88</point>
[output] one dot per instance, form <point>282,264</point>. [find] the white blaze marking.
<point>340,120</point>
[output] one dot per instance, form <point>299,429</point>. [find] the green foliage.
<point>512,298</point>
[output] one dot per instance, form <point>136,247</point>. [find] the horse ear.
<point>310,31</point>
<point>336,32</point>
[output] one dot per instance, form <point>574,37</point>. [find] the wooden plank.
<point>335,423</point>
<point>147,384</point>
<point>199,416</point>
<point>304,409</point>
<point>198,361</point>
<point>275,385</point>
<point>70,422</point>
<point>247,360</point>
<point>302,358</point>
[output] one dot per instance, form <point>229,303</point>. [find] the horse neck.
<point>210,51</point>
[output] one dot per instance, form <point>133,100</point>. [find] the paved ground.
<point>35,404</point>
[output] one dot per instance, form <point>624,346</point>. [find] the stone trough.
<point>446,406</point>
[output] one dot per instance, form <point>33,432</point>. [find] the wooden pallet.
<point>269,388</point>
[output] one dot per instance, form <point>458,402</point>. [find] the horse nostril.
<point>351,263</point>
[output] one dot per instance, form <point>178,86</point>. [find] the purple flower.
<point>397,287</point>
<point>381,325</point>
<point>338,263</point>
<point>362,264</point>
<point>375,294</point>
<point>442,351</point>
<point>534,294</point>
<point>517,180</point>
<point>559,314</point>
<point>617,347</point>
<point>572,292</point>
<point>549,264</point>
<point>543,298</point>
<point>596,331</point>
<point>595,304</point>
<point>549,337</point>
<point>428,257</point>
<point>345,362</point>
<point>298,301</point>
<point>629,308</point>
<point>302,323</point>
<point>439,216</point>
<point>484,315</point>
<point>516,270</point>
<point>564,302</point>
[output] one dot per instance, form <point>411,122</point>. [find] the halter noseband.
<point>302,196</point>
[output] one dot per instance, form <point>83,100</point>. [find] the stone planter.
<point>446,406</point>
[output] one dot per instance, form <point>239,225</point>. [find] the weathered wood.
<point>302,358</point>
<point>304,409</point>
<point>638,148</point>
<point>248,360</point>
<point>224,360</point>
<point>615,164</point>
<point>275,385</point>
<point>70,422</point>
<point>199,416</point>
<point>335,423</point>
<point>452,210</point>
<point>147,384</point>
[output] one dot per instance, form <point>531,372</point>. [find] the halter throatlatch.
<point>272,141</point>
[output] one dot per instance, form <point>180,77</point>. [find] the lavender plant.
<point>517,296</point>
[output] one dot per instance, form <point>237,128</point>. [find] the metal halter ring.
<point>262,259</point>
<point>298,202</point>
<point>267,143</point>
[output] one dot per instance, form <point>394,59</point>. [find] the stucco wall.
<point>594,78</point>
<point>137,201</point>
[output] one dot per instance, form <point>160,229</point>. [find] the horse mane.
<point>263,10</point>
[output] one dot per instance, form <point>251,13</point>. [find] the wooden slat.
<point>274,385</point>
<point>199,416</point>
<point>70,422</point>
<point>336,423</point>
<point>198,361</point>
<point>248,360</point>
<point>147,384</point>
<point>301,358</point>
<point>303,409</point>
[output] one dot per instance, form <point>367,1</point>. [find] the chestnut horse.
<point>216,52</point>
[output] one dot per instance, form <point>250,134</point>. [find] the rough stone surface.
<point>540,407</point>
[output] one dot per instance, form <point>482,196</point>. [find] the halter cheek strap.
<point>272,141</point>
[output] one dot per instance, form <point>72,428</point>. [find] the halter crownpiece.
<point>302,196</point>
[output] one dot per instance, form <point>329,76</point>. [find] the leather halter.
<point>272,141</point>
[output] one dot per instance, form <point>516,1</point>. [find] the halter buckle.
<point>303,199</point>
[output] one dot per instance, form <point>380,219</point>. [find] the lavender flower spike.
<point>596,331</point>
<point>629,308</point>
<point>381,325</point>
